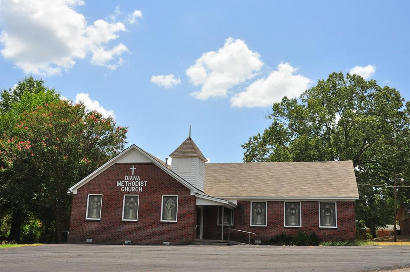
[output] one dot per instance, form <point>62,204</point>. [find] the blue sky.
<point>219,65</point>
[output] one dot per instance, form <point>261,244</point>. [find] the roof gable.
<point>132,154</point>
<point>187,149</point>
<point>135,154</point>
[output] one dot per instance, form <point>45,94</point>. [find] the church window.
<point>292,214</point>
<point>228,216</point>
<point>130,208</point>
<point>258,213</point>
<point>169,208</point>
<point>327,215</point>
<point>94,203</point>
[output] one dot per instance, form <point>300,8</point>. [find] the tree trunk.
<point>16,223</point>
<point>373,232</point>
<point>58,226</point>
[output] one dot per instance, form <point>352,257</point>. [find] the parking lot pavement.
<point>202,258</point>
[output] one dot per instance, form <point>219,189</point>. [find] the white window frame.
<point>86,212</point>
<point>266,213</point>
<point>162,206</point>
<point>219,223</point>
<point>300,214</point>
<point>123,208</point>
<point>328,227</point>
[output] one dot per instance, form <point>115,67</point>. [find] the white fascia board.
<point>74,188</point>
<point>290,198</point>
<point>220,201</point>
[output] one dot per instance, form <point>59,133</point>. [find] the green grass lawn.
<point>17,245</point>
<point>364,243</point>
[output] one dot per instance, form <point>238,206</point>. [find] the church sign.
<point>132,183</point>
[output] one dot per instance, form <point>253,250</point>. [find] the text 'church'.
<point>137,198</point>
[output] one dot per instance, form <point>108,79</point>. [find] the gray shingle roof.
<point>333,179</point>
<point>188,149</point>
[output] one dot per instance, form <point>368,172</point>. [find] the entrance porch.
<point>215,219</point>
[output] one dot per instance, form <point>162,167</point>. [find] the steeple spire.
<point>189,136</point>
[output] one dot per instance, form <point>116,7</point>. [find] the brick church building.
<point>137,198</point>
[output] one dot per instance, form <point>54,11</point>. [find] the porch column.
<point>201,225</point>
<point>222,224</point>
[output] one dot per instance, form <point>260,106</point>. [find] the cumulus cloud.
<point>363,71</point>
<point>263,92</point>
<point>218,71</point>
<point>106,58</point>
<point>93,105</point>
<point>166,81</point>
<point>48,36</point>
<point>132,17</point>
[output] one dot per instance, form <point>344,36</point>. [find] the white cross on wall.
<point>133,169</point>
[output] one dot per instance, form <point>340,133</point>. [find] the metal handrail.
<point>244,231</point>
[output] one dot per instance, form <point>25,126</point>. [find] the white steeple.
<point>189,162</point>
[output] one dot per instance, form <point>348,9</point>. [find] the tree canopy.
<point>47,145</point>
<point>345,118</point>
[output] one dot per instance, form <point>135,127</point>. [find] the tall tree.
<point>344,118</point>
<point>49,145</point>
<point>16,184</point>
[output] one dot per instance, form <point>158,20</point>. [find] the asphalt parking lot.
<point>202,258</point>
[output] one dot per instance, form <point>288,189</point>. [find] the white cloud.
<point>48,36</point>
<point>263,92</point>
<point>363,71</point>
<point>105,58</point>
<point>218,71</point>
<point>93,105</point>
<point>132,18</point>
<point>166,81</point>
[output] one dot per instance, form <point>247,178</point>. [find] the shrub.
<point>31,231</point>
<point>301,239</point>
<point>368,236</point>
<point>339,243</point>
<point>314,239</point>
<point>361,232</point>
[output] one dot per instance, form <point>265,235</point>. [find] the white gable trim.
<point>105,166</point>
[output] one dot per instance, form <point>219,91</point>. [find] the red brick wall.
<point>346,227</point>
<point>148,229</point>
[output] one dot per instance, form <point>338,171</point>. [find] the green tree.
<point>344,118</point>
<point>17,186</point>
<point>47,146</point>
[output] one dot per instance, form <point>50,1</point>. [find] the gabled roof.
<point>188,148</point>
<point>117,158</point>
<point>148,157</point>
<point>281,180</point>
